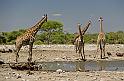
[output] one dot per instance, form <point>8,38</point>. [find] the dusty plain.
<point>60,53</point>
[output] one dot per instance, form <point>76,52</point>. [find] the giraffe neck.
<point>101,19</point>
<point>101,29</point>
<point>85,29</point>
<point>37,26</point>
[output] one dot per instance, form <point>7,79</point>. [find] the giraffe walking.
<point>28,38</point>
<point>101,40</point>
<point>79,42</point>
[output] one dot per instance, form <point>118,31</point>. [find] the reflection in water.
<point>101,65</point>
<point>80,65</point>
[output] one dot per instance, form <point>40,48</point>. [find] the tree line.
<point>52,32</point>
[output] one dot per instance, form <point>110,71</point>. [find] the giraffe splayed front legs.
<point>79,42</point>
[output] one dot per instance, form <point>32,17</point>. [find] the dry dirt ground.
<point>60,53</point>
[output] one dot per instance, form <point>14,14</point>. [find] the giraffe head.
<point>79,25</point>
<point>100,18</point>
<point>45,17</point>
<point>89,22</point>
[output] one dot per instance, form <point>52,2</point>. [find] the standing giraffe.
<point>101,39</point>
<point>79,42</point>
<point>28,38</point>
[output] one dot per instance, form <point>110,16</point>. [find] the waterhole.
<point>114,65</point>
<point>89,65</point>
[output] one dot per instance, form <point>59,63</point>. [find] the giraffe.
<point>101,39</point>
<point>28,38</point>
<point>79,42</point>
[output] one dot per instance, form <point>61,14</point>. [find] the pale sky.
<point>19,14</point>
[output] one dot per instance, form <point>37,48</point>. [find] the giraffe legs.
<point>76,43</point>
<point>101,53</point>
<point>76,48</point>
<point>80,52</point>
<point>101,44</point>
<point>17,56</point>
<point>30,52</point>
<point>102,48</point>
<point>18,47</point>
<point>81,47</point>
<point>83,52</point>
<point>17,51</point>
<point>97,50</point>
